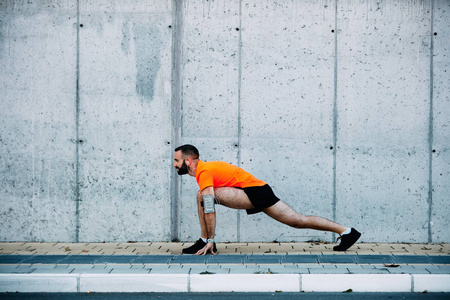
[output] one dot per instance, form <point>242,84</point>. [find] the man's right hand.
<point>208,248</point>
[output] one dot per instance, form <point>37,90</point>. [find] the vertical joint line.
<point>177,20</point>
<point>77,129</point>
<point>430,129</point>
<point>238,220</point>
<point>335,112</point>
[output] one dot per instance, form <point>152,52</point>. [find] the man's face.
<point>180,163</point>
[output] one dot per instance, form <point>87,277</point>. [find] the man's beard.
<point>183,169</point>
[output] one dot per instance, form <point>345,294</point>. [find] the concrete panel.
<point>38,283</point>
<point>37,113</point>
<point>125,121</point>
<point>210,69</point>
<point>245,283</point>
<point>356,282</point>
<point>383,109</point>
<point>134,283</point>
<point>209,100</point>
<point>435,283</point>
<point>287,110</point>
<point>441,130</point>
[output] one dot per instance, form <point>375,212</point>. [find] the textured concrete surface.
<point>342,106</point>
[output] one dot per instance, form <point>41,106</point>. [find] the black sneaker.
<point>197,246</point>
<point>347,240</point>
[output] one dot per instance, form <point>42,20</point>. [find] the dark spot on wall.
<point>147,42</point>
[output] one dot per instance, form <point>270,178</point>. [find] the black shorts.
<point>261,197</point>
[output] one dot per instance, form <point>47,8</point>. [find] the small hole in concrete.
<point>332,30</point>
<point>81,25</point>
<point>435,33</point>
<point>237,29</point>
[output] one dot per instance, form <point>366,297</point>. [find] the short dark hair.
<point>188,150</point>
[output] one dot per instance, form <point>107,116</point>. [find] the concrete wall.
<point>342,107</point>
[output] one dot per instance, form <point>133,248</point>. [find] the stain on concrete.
<point>125,38</point>
<point>147,41</point>
<point>2,39</point>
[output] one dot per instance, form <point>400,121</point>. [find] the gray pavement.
<point>246,267</point>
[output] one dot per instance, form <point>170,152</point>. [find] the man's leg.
<point>233,198</point>
<point>283,213</point>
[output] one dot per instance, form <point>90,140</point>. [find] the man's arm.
<point>210,221</point>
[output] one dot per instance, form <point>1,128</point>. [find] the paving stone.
<point>303,270</point>
<point>243,269</point>
<point>189,259</point>
<point>207,269</point>
<point>373,259</point>
<point>300,259</point>
<point>311,266</point>
<point>329,271</point>
<point>367,266</point>
<point>291,266</point>
<point>227,259</point>
<point>14,269</point>
<point>44,259</point>
<point>47,269</point>
<point>411,259</point>
<point>441,270</point>
<point>118,270</point>
<point>117,259</point>
<point>153,259</point>
<point>169,271</point>
<point>439,259</point>
<point>12,259</point>
<point>80,259</point>
<point>93,270</point>
<point>349,266</point>
<point>7,268</point>
<point>370,271</point>
<point>263,259</point>
<point>337,259</point>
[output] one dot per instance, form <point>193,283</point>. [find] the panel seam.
<point>176,112</point>
<point>238,219</point>
<point>335,114</point>
<point>77,126</point>
<point>430,129</point>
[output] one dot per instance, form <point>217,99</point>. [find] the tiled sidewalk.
<point>291,267</point>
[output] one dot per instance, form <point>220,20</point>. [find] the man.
<point>231,186</point>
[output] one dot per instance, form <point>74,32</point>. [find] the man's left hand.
<point>208,248</point>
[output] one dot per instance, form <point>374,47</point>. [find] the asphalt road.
<point>222,296</point>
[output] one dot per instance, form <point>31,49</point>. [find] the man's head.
<point>184,156</point>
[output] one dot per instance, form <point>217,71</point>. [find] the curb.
<point>102,283</point>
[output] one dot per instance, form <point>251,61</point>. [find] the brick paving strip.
<point>147,248</point>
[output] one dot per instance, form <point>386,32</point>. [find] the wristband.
<point>211,241</point>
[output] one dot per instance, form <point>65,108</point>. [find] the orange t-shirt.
<point>220,174</point>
